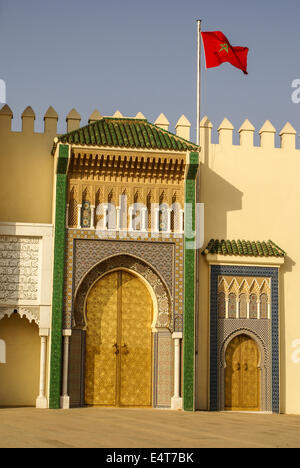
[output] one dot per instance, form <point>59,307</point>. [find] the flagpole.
<point>198,80</point>
<point>197,221</point>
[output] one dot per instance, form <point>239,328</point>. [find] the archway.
<point>19,375</point>
<point>161,326</point>
<point>119,313</point>
<point>242,375</point>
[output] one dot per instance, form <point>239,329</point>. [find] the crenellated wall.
<point>26,164</point>
<point>253,192</point>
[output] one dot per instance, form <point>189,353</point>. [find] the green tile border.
<point>58,277</point>
<point>189,291</point>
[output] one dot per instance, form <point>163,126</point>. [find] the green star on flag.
<point>225,47</point>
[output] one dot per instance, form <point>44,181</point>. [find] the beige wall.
<point>19,377</point>
<point>254,193</point>
<point>26,175</point>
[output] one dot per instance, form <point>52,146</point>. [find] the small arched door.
<point>119,342</point>
<point>242,375</point>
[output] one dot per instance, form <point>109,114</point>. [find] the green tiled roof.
<point>243,247</point>
<point>126,133</point>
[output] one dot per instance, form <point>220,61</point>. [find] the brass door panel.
<point>232,374</point>
<point>250,375</point>
<point>101,335</point>
<point>136,343</point>
<point>242,375</point>
<point>119,342</point>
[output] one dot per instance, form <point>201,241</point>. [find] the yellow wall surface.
<point>26,174</point>
<point>19,377</point>
<point>253,193</point>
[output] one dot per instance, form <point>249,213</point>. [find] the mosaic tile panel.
<point>164,370</point>
<point>164,300</point>
<point>268,333</point>
<point>85,250</point>
<point>58,278</point>
<point>157,254</point>
<point>189,292</point>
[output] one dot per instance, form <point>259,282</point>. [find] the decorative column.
<point>144,212</point>
<point>105,217</point>
<point>248,308</point>
<point>79,216</point>
<point>92,217</point>
<point>41,401</point>
<point>258,308</point>
<point>181,221</point>
<point>65,399</point>
<point>118,211</point>
<point>176,401</point>
<point>226,307</point>
<point>130,211</point>
<point>67,215</point>
<point>156,219</point>
<point>169,213</point>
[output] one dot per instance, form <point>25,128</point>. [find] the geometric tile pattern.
<point>84,250</point>
<point>163,369</point>
<point>266,331</point>
<point>164,302</point>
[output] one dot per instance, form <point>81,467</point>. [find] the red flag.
<point>218,50</point>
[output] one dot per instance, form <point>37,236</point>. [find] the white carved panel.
<point>19,269</point>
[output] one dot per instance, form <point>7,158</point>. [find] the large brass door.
<point>242,375</point>
<point>119,342</point>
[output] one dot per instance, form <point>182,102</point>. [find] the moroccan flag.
<point>218,50</point>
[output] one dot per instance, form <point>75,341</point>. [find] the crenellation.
<point>50,121</point>
<point>246,132</point>
<point>267,135</point>
<point>95,116</point>
<point>183,128</point>
<point>28,118</point>
<point>73,120</point>
<point>6,117</point>
<point>288,137</point>
<point>225,133</point>
<point>162,122</point>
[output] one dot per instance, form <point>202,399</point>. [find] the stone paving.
<point>144,428</point>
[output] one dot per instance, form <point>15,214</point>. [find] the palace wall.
<point>253,193</point>
<point>249,192</point>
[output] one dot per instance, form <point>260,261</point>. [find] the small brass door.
<point>119,342</point>
<point>242,375</point>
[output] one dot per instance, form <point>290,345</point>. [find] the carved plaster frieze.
<point>31,313</point>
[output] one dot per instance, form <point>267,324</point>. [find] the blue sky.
<point>141,56</point>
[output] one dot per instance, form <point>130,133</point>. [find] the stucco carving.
<point>19,268</point>
<point>31,313</point>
